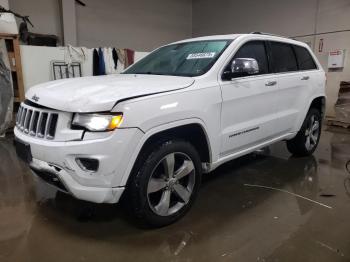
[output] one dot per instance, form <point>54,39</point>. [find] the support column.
<point>69,22</point>
<point>4,3</point>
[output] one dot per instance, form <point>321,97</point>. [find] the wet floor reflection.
<point>229,221</point>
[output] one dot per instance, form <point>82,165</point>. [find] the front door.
<point>249,103</point>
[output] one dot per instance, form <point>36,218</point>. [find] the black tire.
<point>138,199</point>
<point>302,144</point>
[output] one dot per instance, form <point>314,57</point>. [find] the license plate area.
<point>23,151</point>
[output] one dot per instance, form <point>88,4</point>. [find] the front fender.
<point>155,130</point>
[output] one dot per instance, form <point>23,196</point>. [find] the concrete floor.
<point>229,222</point>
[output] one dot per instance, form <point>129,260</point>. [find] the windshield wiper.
<point>155,73</point>
<point>146,73</point>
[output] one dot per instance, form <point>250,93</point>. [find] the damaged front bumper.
<point>64,182</point>
<point>56,163</point>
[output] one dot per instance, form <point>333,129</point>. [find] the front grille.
<point>37,122</point>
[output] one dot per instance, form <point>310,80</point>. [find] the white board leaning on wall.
<point>36,63</point>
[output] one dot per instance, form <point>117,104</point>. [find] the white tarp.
<point>6,90</point>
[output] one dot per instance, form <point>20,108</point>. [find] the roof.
<point>256,35</point>
<point>212,37</point>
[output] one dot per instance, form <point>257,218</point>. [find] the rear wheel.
<point>306,141</point>
<point>164,186</point>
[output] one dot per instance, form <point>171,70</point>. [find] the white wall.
<point>43,56</point>
<point>333,15</point>
<point>333,42</point>
<point>135,24</point>
<point>69,22</point>
<point>289,18</point>
<point>44,14</point>
<point>234,16</point>
<point>140,25</point>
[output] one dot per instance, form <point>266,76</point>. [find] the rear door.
<point>311,79</point>
<point>290,85</point>
<point>292,66</point>
<point>248,108</point>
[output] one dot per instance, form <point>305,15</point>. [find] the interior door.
<point>249,103</point>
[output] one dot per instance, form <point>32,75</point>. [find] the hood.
<point>101,93</point>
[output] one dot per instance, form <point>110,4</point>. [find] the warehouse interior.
<point>264,206</point>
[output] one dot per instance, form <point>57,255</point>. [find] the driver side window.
<point>257,51</point>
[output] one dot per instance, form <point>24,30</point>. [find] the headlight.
<point>98,122</point>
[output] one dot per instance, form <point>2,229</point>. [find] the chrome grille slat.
<point>27,121</point>
<point>33,123</point>
<point>18,115</point>
<point>42,125</point>
<point>37,122</point>
<point>23,117</point>
<point>47,123</point>
<point>51,131</point>
<point>31,120</point>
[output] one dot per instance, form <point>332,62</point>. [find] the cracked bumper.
<point>58,159</point>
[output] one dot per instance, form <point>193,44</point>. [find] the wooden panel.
<point>12,61</point>
<point>17,52</point>
<point>15,63</point>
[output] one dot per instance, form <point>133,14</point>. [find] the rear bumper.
<point>58,159</point>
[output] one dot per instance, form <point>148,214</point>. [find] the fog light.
<point>88,164</point>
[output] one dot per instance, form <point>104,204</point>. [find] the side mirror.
<point>242,67</point>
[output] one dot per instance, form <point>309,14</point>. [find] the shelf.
<point>14,55</point>
<point>8,36</point>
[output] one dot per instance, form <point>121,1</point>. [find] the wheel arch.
<point>191,130</point>
<point>318,102</point>
<point>193,133</point>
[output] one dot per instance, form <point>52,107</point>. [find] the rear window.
<point>305,60</point>
<point>283,57</point>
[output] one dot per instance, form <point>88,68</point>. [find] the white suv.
<point>148,134</point>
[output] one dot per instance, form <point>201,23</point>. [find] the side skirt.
<point>208,167</point>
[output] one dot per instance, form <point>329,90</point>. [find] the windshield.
<point>183,59</point>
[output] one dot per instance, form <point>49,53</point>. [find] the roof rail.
<point>263,33</point>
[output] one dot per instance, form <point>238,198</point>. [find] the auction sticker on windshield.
<point>201,55</point>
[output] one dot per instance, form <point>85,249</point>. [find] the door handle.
<point>305,78</point>
<point>271,83</point>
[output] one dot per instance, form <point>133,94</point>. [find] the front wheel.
<point>164,186</point>
<point>306,141</point>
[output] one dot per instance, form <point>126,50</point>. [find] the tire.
<point>157,194</point>
<point>308,137</point>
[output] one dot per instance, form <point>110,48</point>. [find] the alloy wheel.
<point>171,184</point>
<point>312,133</point>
